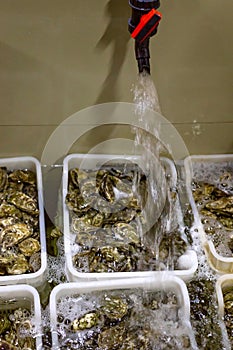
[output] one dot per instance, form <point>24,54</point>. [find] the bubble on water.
<point>154,312</point>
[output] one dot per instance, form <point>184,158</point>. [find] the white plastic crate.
<point>223,283</point>
<point>23,296</point>
<point>155,282</point>
<point>35,278</point>
<point>210,164</point>
<point>188,261</point>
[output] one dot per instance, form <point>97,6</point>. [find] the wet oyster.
<point>14,234</point>
<point>222,206</point>
<point>87,321</point>
<point>126,233</point>
<point>15,330</point>
<point>114,308</point>
<point>18,266</point>
<point>23,202</point>
<point>112,337</point>
<point>29,246</point>
<point>7,209</point>
<point>25,176</point>
<point>5,323</point>
<point>3,178</point>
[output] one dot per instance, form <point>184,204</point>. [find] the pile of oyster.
<point>215,205</point>
<point>123,321</point>
<point>107,216</point>
<point>19,222</point>
<point>228,312</point>
<point>15,328</point>
<point>204,314</point>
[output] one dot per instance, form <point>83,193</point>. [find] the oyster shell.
<point>29,246</point>
<point>112,337</point>
<point>23,202</point>
<point>7,209</point>
<point>18,334</point>
<point>222,206</point>
<point>3,178</point>
<point>5,324</point>
<point>115,308</point>
<point>126,233</point>
<point>25,176</point>
<point>87,321</point>
<point>14,234</point>
<point>19,265</point>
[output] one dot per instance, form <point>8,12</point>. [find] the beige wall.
<point>60,56</point>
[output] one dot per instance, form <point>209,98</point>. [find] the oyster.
<point>31,191</point>
<point>29,246</point>
<point>76,203</point>
<point>23,202</point>
<point>222,206</point>
<point>97,237</point>
<point>5,324</point>
<point>126,233</point>
<point>111,338</point>
<point>25,176</point>
<point>7,209</point>
<point>35,262</point>
<point>88,188</point>
<point>7,221</point>
<point>17,335</point>
<point>227,222</point>
<point>14,234</point>
<point>111,259</point>
<point>3,178</point>
<point>114,308</point>
<point>202,190</point>
<point>77,176</point>
<point>87,321</point>
<point>106,189</point>
<point>6,260</point>
<point>206,191</point>
<point>19,265</point>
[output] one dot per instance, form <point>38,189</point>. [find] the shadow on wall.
<point>117,36</point>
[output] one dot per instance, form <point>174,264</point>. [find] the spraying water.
<point>145,99</point>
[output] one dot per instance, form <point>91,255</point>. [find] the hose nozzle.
<point>142,54</point>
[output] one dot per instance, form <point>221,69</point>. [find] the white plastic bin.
<point>35,278</point>
<point>23,296</point>
<point>156,282</point>
<point>223,283</point>
<point>212,165</point>
<point>188,261</point>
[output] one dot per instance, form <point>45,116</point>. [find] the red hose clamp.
<point>148,23</point>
